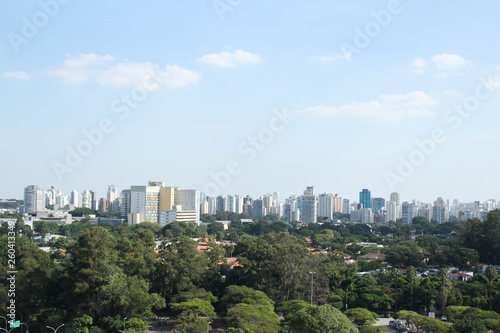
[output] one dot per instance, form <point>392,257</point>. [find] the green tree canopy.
<point>254,318</point>
<point>323,318</point>
<point>361,316</point>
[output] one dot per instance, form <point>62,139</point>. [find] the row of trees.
<point>109,273</point>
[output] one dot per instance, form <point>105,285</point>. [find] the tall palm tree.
<point>445,287</point>
<point>491,275</point>
<point>395,275</point>
<point>411,274</point>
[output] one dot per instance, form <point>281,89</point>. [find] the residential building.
<point>439,211</point>
<point>326,204</point>
<point>338,204</point>
<point>409,211</point>
<point>76,199</point>
<point>346,206</point>
<point>308,206</point>
<point>125,203</point>
<point>34,199</point>
<point>396,197</point>
<point>112,193</point>
<point>258,208</point>
<point>392,211</point>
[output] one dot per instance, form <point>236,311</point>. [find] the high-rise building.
<point>221,202</point>
<point>86,199</point>
<point>204,207</point>
<point>112,193</point>
<point>188,202</point>
<point>395,196</point>
<point>247,200</point>
<point>238,204</point>
<point>276,199</point>
<point>367,215</point>
<point>439,211</point>
<point>346,207</point>
<point>51,195</point>
<point>287,213</point>
<point>365,198</point>
<point>326,205</point>
<point>267,203</point>
<point>167,198</point>
<point>103,205</point>
<point>231,203</point>
<point>258,208</point>
<point>392,211</point>
<point>144,200</point>
<point>338,204</point>
<point>378,204</point>
<point>61,199</point>
<point>308,206</point>
<point>425,210</point>
<point>397,199</point>
<point>125,203</point>
<point>356,215</point>
<point>34,199</point>
<point>309,190</point>
<point>212,205</point>
<point>76,199</point>
<point>409,210</point>
<point>93,198</point>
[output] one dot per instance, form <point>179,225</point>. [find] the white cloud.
<point>388,108</point>
<point>418,65</point>
<point>106,72</point>
<point>334,57</point>
<point>228,59</point>
<point>448,61</point>
<point>87,59</point>
<point>446,64</point>
<point>495,82</point>
<point>17,75</point>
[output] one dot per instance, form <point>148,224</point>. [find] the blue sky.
<point>175,91</point>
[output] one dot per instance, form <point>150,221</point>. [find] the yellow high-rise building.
<point>167,198</point>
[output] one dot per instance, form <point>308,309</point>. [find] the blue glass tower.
<point>365,198</point>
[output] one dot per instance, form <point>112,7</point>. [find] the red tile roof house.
<point>373,256</point>
<point>460,276</point>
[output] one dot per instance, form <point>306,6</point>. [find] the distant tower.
<point>395,197</point>
<point>34,199</point>
<point>378,204</point>
<point>308,206</point>
<point>326,205</point>
<point>365,198</point>
<point>112,193</point>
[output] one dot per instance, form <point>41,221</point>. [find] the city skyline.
<point>250,97</point>
<point>157,202</point>
<point>282,197</point>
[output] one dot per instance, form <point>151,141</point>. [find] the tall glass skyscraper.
<point>365,198</point>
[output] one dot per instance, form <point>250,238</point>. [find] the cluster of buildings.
<point>158,203</point>
<point>154,203</point>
